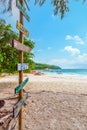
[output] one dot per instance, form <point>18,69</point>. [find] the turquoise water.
<point>65,72</point>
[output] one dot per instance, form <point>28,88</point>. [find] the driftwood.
<point>11,98</point>
<point>7,120</point>
<point>4,120</point>
<point>2,103</point>
<point>5,117</point>
<point>1,123</point>
<point>12,124</point>
<point>8,123</point>
<point>4,113</point>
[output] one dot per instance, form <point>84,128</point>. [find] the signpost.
<point>21,39</point>
<point>21,28</point>
<point>20,46</point>
<point>22,9</point>
<point>19,105</point>
<point>23,66</point>
<point>17,110</point>
<point>20,86</point>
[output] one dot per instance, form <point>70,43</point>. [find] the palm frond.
<point>60,6</point>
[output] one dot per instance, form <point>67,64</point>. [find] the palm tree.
<point>60,6</point>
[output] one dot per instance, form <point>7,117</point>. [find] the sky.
<point>57,42</point>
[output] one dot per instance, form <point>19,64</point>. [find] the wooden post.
<point>21,72</point>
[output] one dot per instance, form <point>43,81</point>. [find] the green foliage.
<point>9,57</point>
<point>60,6</point>
<point>45,66</point>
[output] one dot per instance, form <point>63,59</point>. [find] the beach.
<point>37,83</point>
<point>54,102</point>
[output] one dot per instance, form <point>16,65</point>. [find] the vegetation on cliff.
<point>45,66</point>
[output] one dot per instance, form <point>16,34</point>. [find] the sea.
<point>72,72</point>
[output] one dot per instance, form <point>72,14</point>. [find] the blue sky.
<point>57,42</point>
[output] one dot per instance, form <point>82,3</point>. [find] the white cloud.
<point>71,50</point>
<point>78,40</point>
<point>76,62</point>
<point>63,63</point>
<point>68,37</point>
<point>82,58</point>
<point>75,38</point>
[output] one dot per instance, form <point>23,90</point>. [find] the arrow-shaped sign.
<point>20,86</point>
<point>19,105</point>
<point>20,46</point>
<point>21,28</point>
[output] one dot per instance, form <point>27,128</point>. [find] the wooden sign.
<point>21,28</point>
<point>22,9</point>
<point>23,66</point>
<point>20,46</point>
<point>19,105</point>
<point>20,86</point>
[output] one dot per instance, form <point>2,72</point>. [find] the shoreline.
<point>42,77</point>
<point>37,83</point>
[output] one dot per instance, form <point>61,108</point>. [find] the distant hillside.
<point>45,66</point>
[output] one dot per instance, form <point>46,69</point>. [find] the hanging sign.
<point>21,28</point>
<point>19,105</point>
<point>20,86</point>
<point>20,46</point>
<point>23,66</point>
<point>22,9</point>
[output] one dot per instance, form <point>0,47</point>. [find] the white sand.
<point>60,83</point>
<point>54,103</point>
